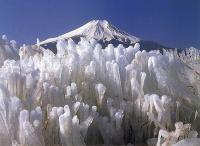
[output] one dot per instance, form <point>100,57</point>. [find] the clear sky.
<point>173,23</point>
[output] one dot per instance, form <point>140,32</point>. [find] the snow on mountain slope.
<point>99,30</point>
<point>105,33</point>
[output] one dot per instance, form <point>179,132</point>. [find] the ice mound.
<point>89,95</point>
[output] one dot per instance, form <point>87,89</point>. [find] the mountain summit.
<point>99,30</point>
<point>104,33</point>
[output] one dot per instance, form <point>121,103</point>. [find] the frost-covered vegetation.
<point>89,95</point>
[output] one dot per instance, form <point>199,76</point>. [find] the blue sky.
<point>173,23</point>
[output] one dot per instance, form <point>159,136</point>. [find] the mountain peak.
<point>100,22</point>
<point>105,33</point>
<point>99,30</point>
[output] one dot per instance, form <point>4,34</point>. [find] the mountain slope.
<point>104,33</point>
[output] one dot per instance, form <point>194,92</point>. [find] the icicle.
<point>101,89</point>
<point>65,123</point>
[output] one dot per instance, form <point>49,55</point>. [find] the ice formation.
<point>89,95</point>
<point>8,49</point>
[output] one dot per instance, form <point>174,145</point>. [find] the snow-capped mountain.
<point>104,33</point>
